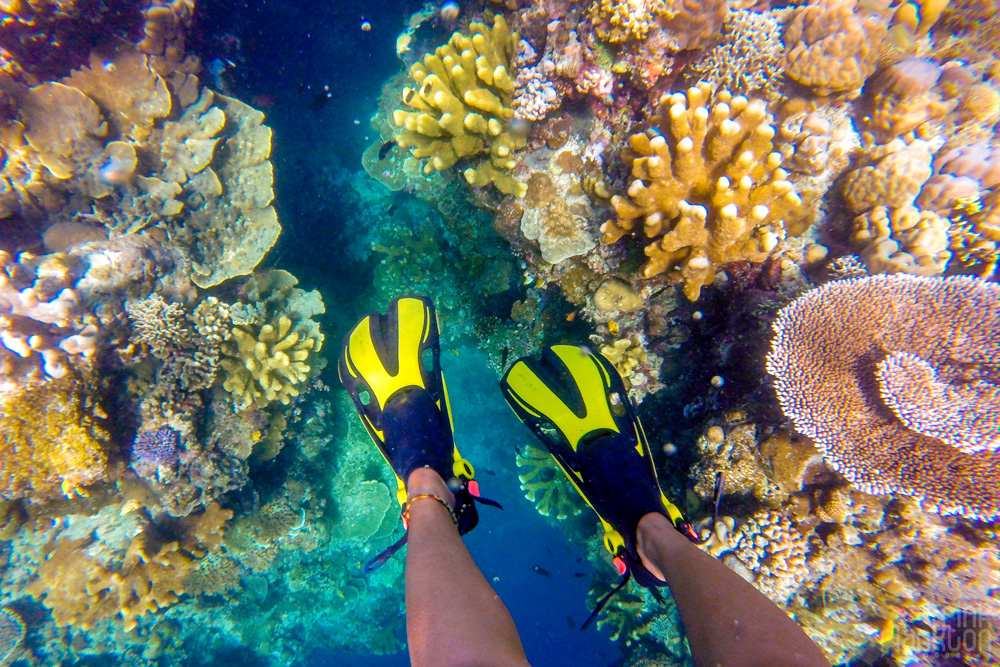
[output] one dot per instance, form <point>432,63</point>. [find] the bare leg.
<point>453,616</point>
<point>727,621</point>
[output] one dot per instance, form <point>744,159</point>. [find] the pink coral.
<point>840,358</point>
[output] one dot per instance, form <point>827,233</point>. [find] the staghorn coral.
<point>544,484</point>
<point>831,46</point>
<point>707,186</point>
<point>462,106</point>
<point>52,442</point>
<point>825,359</point>
<point>158,326</point>
<point>751,56</point>
<point>81,587</point>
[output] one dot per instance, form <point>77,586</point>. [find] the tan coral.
<point>832,47</point>
<point>462,106</point>
<point>132,96</point>
<point>708,187</point>
<point>903,97</point>
<point>895,179</point>
<point>82,589</point>
<point>268,364</point>
<point>975,237</point>
<point>674,24</point>
<point>905,239</point>
<point>775,551</point>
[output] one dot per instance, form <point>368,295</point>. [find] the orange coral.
<point>50,444</point>
<point>829,360</point>
<point>82,589</point>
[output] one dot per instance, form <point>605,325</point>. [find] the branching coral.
<point>266,360</point>
<point>751,55</point>
<point>831,46</point>
<point>545,485</point>
<point>826,358</point>
<point>82,588</point>
<point>708,186</point>
<point>42,325</point>
<point>975,236</point>
<point>51,444</point>
<point>675,24</point>
<point>462,106</point>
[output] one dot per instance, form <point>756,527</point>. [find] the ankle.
<point>426,480</point>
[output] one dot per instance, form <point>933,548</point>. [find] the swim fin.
<point>575,402</point>
<point>391,366</point>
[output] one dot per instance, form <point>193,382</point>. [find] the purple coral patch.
<point>153,449</point>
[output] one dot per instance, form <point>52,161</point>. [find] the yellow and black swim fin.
<point>575,402</point>
<point>390,364</point>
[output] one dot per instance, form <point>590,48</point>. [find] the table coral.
<point>462,106</point>
<point>708,186</point>
<point>544,484</point>
<point>833,47</point>
<point>825,360</point>
<point>82,589</point>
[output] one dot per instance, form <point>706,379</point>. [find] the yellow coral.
<point>975,237</point>
<point>50,444</point>
<point>462,106</point>
<point>82,589</point>
<point>267,365</point>
<point>708,185</point>
<point>543,484</point>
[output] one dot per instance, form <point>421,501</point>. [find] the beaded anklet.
<point>422,496</point>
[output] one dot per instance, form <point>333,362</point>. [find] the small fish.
<point>318,101</point>
<point>386,147</point>
<point>570,623</point>
<point>490,472</point>
<point>503,356</point>
<point>579,575</point>
<point>571,316</point>
<point>392,209</point>
<point>542,571</point>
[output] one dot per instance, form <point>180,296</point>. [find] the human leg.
<point>453,615</point>
<point>726,620</point>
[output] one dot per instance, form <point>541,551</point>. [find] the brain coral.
<point>896,379</point>
<point>708,186</point>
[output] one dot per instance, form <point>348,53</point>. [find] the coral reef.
<point>82,588</point>
<point>54,442</point>
<point>11,633</point>
<point>462,106</point>
<point>708,186</point>
<point>844,351</point>
<point>545,484</point>
<point>275,337</point>
<point>833,47</point>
